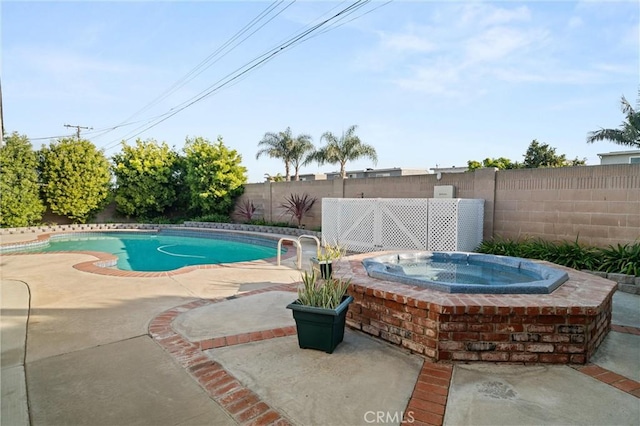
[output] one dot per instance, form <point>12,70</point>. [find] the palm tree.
<point>301,149</point>
<point>291,150</point>
<point>348,147</point>
<point>629,132</point>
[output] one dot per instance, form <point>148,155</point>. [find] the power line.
<point>78,129</point>
<point>202,66</point>
<point>251,65</point>
<point>231,79</point>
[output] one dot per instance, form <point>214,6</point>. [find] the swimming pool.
<point>165,250</point>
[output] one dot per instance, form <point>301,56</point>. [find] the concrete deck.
<point>178,351</point>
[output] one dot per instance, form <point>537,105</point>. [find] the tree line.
<point>542,155</point>
<point>537,155</point>
<point>147,180</point>
<point>298,151</point>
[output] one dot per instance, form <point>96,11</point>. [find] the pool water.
<point>465,272</point>
<point>158,252</point>
<point>460,272</point>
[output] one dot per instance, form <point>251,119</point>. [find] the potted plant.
<point>324,259</point>
<point>320,312</point>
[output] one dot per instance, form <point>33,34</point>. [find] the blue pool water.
<point>164,251</point>
<point>459,272</point>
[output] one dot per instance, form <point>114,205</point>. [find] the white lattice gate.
<point>364,225</point>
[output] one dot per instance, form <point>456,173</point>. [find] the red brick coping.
<point>239,401</point>
<point>426,406</point>
<point>625,329</point>
<point>105,263</point>
<point>613,379</point>
<point>563,327</point>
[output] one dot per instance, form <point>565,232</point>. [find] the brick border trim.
<point>428,401</point>
<point>242,404</point>
<point>625,329</point>
<point>612,379</point>
<point>609,377</point>
<point>426,405</point>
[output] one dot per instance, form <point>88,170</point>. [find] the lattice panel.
<point>364,225</point>
<point>403,223</point>
<point>353,226</point>
<point>443,214</point>
<point>358,231</point>
<point>331,219</point>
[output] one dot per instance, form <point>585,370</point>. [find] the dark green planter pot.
<point>319,328</point>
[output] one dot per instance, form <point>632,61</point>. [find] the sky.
<point>429,84</point>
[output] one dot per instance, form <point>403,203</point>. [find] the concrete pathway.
<point>14,304</point>
<point>528,395</point>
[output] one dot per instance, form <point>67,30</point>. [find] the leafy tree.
<point>501,163</point>
<point>629,132</point>
<point>348,147</point>
<point>294,151</point>
<point>214,176</point>
<point>20,203</point>
<point>76,178</point>
<point>145,178</point>
<point>542,155</point>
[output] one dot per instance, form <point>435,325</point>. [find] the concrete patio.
<point>217,346</point>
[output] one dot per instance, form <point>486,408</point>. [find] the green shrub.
<point>623,259</point>
<point>213,217</point>
<point>262,222</point>
<point>20,203</point>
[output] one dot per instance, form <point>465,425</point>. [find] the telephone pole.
<point>1,120</point>
<point>78,129</point>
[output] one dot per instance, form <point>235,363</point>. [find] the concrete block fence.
<point>600,205</point>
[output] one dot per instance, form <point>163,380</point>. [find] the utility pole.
<point>78,129</point>
<point>1,120</point>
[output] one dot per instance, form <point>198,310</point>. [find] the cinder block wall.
<point>600,204</point>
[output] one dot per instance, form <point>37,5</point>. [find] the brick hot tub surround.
<point>565,326</point>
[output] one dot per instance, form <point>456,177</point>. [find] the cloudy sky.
<point>429,84</point>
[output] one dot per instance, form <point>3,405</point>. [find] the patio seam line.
<point>428,401</point>
<point>426,406</point>
<point>238,401</point>
<point>628,329</point>
<point>610,378</point>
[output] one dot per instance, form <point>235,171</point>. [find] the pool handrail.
<point>298,249</point>
<point>312,237</point>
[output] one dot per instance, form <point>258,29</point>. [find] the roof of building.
<point>607,154</point>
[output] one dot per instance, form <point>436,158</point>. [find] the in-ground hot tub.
<point>459,272</point>
<point>564,326</point>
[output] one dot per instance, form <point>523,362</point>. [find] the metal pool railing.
<point>298,245</point>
